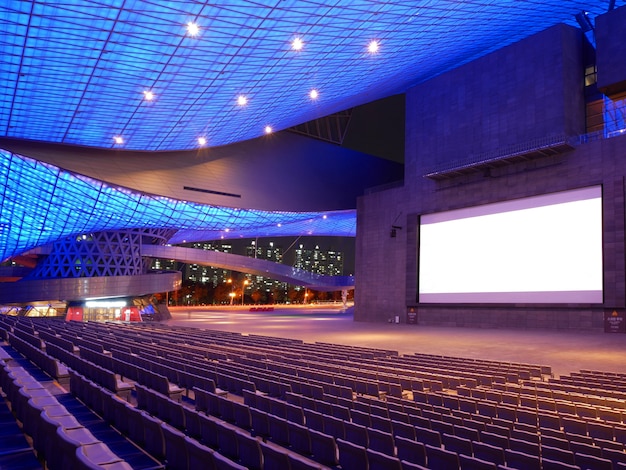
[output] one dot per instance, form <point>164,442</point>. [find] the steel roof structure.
<point>159,75</point>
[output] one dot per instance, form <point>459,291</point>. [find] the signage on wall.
<point>411,316</point>
<point>614,321</point>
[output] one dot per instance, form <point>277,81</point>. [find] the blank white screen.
<point>543,249</point>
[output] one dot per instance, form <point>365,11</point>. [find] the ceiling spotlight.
<point>242,100</point>
<point>297,44</point>
<point>148,95</point>
<point>268,129</point>
<point>118,139</point>
<point>314,94</point>
<point>202,141</point>
<point>193,29</point>
<point>373,46</point>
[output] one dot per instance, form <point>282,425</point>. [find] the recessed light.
<point>118,139</point>
<point>148,95</point>
<point>202,141</point>
<point>193,29</point>
<point>373,47</point>
<point>297,44</point>
<point>314,94</point>
<point>242,100</point>
<point>268,129</point>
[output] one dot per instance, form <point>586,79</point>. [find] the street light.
<point>243,289</point>
<point>232,293</point>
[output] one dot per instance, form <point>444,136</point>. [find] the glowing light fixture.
<point>297,44</point>
<point>148,95</point>
<point>373,47</point>
<point>242,100</point>
<point>105,303</point>
<point>118,139</point>
<point>202,141</point>
<point>314,94</point>
<point>193,29</point>
<point>268,129</point>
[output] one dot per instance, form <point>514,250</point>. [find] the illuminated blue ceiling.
<point>76,71</point>
<point>40,203</point>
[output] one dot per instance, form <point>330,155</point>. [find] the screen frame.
<point>487,208</point>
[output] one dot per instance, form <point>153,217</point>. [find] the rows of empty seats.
<point>56,426</point>
<point>295,405</point>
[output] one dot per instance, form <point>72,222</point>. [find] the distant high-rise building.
<point>196,272</point>
<point>269,252</point>
<point>326,262</point>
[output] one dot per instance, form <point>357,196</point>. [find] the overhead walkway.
<point>246,264</point>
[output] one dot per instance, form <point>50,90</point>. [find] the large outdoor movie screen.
<point>542,249</point>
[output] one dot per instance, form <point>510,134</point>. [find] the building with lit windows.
<point>327,262</point>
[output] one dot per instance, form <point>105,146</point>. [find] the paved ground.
<point>564,351</point>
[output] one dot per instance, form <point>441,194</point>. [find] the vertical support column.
<point>614,253</point>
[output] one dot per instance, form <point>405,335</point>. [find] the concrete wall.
<point>611,41</point>
<point>523,92</point>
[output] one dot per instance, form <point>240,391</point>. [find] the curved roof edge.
<point>278,172</point>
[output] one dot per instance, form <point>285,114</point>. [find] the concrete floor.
<point>565,351</point>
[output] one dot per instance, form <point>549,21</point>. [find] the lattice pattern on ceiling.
<point>40,203</point>
<point>76,71</point>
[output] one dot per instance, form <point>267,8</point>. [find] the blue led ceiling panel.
<point>40,203</point>
<point>76,71</point>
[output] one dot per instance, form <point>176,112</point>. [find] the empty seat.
<point>278,430</point>
<point>299,439</point>
<point>428,436</point>
<point>403,429</point>
<point>273,457</point>
<point>250,454</point>
<point>227,442</point>
<point>457,444</point>
<point>467,433</point>
<point>356,434</point>
<point>497,440</point>
<point>66,443</point>
<point>208,431</point>
<point>351,456</point>
<point>382,461</point>
<point>410,450</point>
<point>488,452</point>
<point>441,459</point>
<point>600,430</point>
<point>334,427</point>
<point>314,420</point>
<point>520,445</point>
<point>323,448</point>
<point>199,455</point>
<point>515,459</point>
<point>175,448</point>
<point>192,423</point>
<point>260,423</point>
<point>594,462</point>
<point>154,441</point>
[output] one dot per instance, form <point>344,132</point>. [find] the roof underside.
<point>77,71</point>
